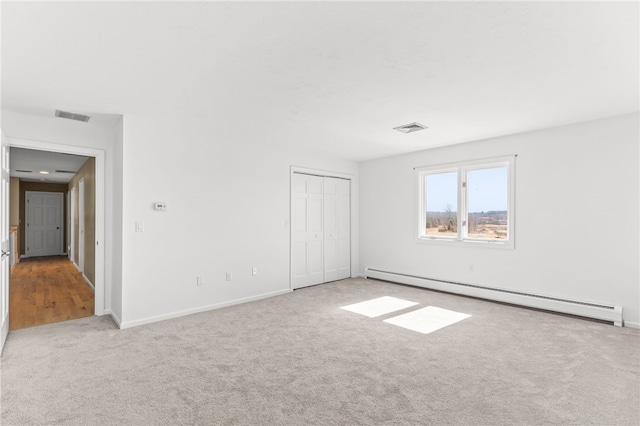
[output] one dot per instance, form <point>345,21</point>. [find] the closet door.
<point>316,237</point>
<point>331,233</point>
<point>344,228</point>
<point>307,230</point>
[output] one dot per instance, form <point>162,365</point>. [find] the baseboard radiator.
<point>572,307</point>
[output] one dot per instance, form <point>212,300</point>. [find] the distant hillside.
<point>491,224</point>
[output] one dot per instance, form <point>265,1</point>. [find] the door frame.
<point>99,155</point>
<point>67,221</point>
<point>81,234</point>
<point>72,228</point>
<point>61,216</point>
<point>4,238</point>
<point>353,211</point>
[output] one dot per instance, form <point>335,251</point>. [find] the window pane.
<point>441,204</point>
<point>487,194</point>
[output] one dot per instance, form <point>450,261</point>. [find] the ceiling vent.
<point>24,171</point>
<point>411,127</point>
<point>72,116</point>
<point>66,171</point>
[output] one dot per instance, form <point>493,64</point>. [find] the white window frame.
<point>462,168</point>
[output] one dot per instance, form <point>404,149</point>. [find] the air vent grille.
<point>24,171</point>
<point>411,127</point>
<point>72,116</point>
<point>65,171</point>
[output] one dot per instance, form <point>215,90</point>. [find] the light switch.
<point>139,226</point>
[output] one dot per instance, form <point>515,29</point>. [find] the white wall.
<point>56,130</point>
<point>577,211</point>
<point>228,201</point>
<point>113,271</point>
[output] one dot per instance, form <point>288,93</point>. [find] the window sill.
<point>454,242</point>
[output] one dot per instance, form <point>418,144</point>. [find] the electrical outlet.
<point>229,276</point>
<point>254,271</point>
<point>471,267</point>
<point>199,280</point>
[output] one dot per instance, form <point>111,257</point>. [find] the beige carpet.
<point>299,359</point>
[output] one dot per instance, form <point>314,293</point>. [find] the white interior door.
<point>316,236</point>
<point>4,240</point>
<point>344,228</point>
<point>299,230</point>
<point>331,229</point>
<point>81,225</point>
<point>306,231</point>
<point>44,223</point>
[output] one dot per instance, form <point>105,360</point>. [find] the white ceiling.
<point>27,164</point>
<point>328,77</point>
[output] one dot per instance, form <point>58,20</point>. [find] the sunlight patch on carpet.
<point>427,320</point>
<point>380,306</point>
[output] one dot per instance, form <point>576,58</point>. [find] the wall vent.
<point>411,127</point>
<point>72,116</point>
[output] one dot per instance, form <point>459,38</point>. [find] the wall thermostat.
<point>160,206</point>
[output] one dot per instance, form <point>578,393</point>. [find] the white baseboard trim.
<point>4,331</point>
<point>27,256</point>
<point>631,324</point>
<point>89,283</point>
<point>177,314</point>
<point>114,317</point>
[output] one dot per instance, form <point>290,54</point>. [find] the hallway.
<point>46,290</point>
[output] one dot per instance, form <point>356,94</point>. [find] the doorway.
<point>98,211</point>
<point>47,286</point>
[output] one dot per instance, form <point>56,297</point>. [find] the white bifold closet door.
<point>320,246</point>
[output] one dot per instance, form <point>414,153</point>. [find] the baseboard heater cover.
<point>572,307</point>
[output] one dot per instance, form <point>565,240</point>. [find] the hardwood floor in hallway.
<point>46,290</point>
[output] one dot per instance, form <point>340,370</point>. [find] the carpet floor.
<point>299,359</point>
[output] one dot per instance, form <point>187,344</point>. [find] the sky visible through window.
<point>441,192</point>
<point>487,191</point>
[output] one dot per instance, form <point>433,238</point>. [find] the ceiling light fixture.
<point>44,172</point>
<point>411,127</point>
<point>72,116</point>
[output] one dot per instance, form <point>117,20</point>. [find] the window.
<point>469,202</point>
